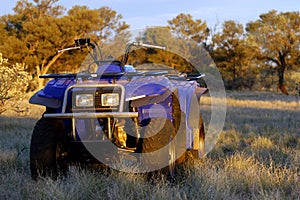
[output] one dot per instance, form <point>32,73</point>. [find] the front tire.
<point>157,134</point>
<point>48,149</point>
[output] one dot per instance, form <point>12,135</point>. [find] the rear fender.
<point>151,99</point>
<point>200,91</point>
<point>194,107</point>
<point>148,90</point>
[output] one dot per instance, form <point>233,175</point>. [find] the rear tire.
<point>179,121</point>
<point>201,149</point>
<point>172,160</point>
<point>180,129</point>
<point>48,149</point>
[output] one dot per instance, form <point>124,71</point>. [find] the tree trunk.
<point>44,70</point>
<point>40,82</point>
<point>281,68</point>
<point>281,85</point>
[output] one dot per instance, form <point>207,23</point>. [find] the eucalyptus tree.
<point>185,26</point>
<point>277,37</point>
<point>194,36</point>
<point>234,56</point>
<point>41,27</point>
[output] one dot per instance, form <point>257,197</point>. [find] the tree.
<point>277,37</point>
<point>14,81</point>
<point>42,29</point>
<point>187,27</point>
<point>34,27</point>
<point>172,57</point>
<point>193,35</point>
<point>233,56</point>
<point>99,24</point>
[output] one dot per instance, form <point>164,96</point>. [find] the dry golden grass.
<point>257,156</point>
<point>259,100</point>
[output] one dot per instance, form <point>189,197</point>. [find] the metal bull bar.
<point>91,115</point>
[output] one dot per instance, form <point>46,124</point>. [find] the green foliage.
<point>234,56</point>
<point>39,29</point>
<point>277,37</point>
<point>182,54</point>
<point>270,42</point>
<point>185,26</point>
<point>247,59</point>
<point>174,57</point>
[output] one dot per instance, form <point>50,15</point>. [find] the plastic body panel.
<point>151,95</point>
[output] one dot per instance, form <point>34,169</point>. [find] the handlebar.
<point>140,44</point>
<point>68,49</point>
<point>86,42</point>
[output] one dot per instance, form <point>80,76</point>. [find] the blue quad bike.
<point>111,114</point>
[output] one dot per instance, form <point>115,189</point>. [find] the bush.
<point>14,81</point>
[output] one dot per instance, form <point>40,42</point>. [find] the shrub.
<point>14,81</point>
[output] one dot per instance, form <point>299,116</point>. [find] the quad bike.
<point>111,113</point>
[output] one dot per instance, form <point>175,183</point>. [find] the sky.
<point>144,13</point>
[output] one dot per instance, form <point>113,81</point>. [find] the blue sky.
<point>142,13</point>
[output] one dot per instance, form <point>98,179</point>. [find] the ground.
<point>257,156</point>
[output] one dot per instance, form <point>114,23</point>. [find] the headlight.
<point>111,99</point>
<point>84,100</point>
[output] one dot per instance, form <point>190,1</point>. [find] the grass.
<point>257,156</point>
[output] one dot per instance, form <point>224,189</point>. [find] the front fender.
<point>53,93</point>
<point>44,101</point>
